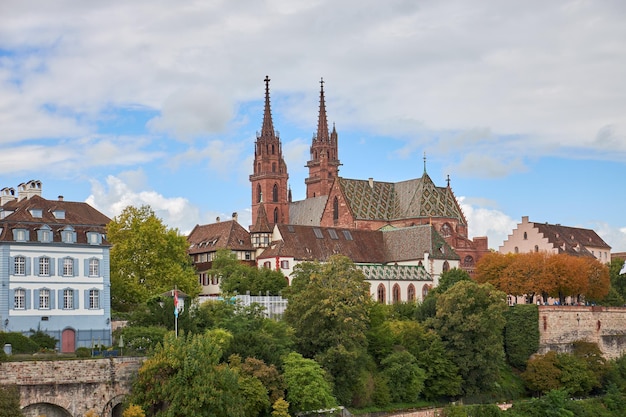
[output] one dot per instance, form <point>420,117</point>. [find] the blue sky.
<point>158,102</point>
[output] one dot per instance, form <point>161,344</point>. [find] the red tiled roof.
<point>571,240</point>
<point>223,235</point>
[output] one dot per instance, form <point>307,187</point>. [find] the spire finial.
<point>322,123</point>
<point>268,126</point>
<point>448,180</point>
<point>424,162</point>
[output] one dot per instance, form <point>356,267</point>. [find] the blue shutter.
<point>12,264</point>
<point>27,266</point>
<point>61,267</point>
<point>60,298</point>
<point>86,271</point>
<point>86,299</point>
<point>11,299</point>
<point>52,298</point>
<point>51,266</point>
<point>100,300</point>
<point>76,299</point>
<point>36,292</point>
<point>37,266</point>
<point>27,305</point>
<point>75,267</point>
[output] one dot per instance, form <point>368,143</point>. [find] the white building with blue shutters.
<point>54,268</point>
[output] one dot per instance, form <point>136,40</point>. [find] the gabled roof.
<point>36,212</point>
<point>405,243</point>
<point>571,240</point>
<point>222,235</point>
<point>416,198</point>
<point>261,225</point>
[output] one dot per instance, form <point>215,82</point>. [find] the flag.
<point>176,303</point>
<point>623,270</point>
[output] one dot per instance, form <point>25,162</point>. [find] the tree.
<point>185,377</point>
<point>329,310</point>
<point>405,378</point>
<point>133,411</point>
<point>307,387</point>
<point>470,321</point>
<point>560,371</point>
<point>237,278</point>
<point>147,259</point>
<point>451,277</point>
<point>10,401</point>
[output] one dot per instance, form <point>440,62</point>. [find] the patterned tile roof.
<point>222,235</point>
<point>394,272</point>
<point>375,200</point>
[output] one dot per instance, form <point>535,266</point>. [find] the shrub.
<point>521,334</point>
<point>43,340</point>
<point>83,352</point>
<point>19,343</point>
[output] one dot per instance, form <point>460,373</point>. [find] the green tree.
<point>329,310</point>
<point>10,401</point>
<point>238,278</point>
<point>281,408</point>
<point>133,411</point>
<point>521,334</point>
<point>470,321</point>
<point>147,259</point>
<point>184,377</point>
<point>451,277</point>
<point>307,387</point>
<point>405,377</point>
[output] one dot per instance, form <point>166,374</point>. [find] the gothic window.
<point>446,266</point>
<point>410,292</point>
<point>468,261</point>
<point>380,293</point>
<point>275,193</point>
<point>336,209</point>
<point>259,194</point>
<point>446,230</point>
<point>516,250</point>
<point>536,248</point>
<point>272,149</point>
<point>525,236</point>
<point>396,293</point>
<point>273,166</point>
<point>425,290</point>
<point>276,215</point>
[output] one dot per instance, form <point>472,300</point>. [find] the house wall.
<point>533,238</point>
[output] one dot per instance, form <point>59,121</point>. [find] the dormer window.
<point>44,234</point>
<point>20,235</point>
<point>36,213</point>
<point>59,214</point>
<point>68,235</point>
<point>94,238</point>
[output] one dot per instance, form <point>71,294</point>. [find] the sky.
<point>153,102</point>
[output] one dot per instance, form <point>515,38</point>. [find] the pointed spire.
<point>268,126</point>
<point>322,123</point>
<point>424,162</point>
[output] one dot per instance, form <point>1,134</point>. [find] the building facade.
<point>54,268</point>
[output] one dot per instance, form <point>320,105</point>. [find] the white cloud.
<point>485,221</point>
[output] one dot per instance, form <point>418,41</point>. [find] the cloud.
<point>487,166</point>
<point>484,221</point>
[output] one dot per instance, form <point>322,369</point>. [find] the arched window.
<point>446,266</point>
<point>525,236</point>
<point>273,166</point>
<point>516,250</point>
<point>258,168</point>
<point>468,261</point>
<point>425,290</point>
<point>259,194</point>
<point>395,293</point>
<point>275,193</point>
<point>272,149</point>
<point>380,293</point>
<point>276,215</point>
<point>410,293</point>
<point>336,209</point>
<point>536,248</point>
<point>446,230</point>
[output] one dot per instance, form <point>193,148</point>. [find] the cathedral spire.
<point>268,126</point>
<point>322,123</point>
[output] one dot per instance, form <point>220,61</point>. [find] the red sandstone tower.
<point>269,178</point>
<point>324,163</point>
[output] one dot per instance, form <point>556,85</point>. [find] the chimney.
<point>29,189</point>
<point>60,198</point>
<point>371,181</point>
<point>217,219</point>
<point>7,194</point>
<point>235,216</point>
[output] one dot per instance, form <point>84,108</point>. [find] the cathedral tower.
<point>269,178</point>
<point>324,163</point>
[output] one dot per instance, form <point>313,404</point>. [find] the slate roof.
<point>307,212</point>
<point>571,240</point>
<point>405,243</point>
<point>80,216</point>
<point>388,201</point>
<point>222,235</point>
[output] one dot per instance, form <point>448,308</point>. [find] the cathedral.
<point>336,202</point>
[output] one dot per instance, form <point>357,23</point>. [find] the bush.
<point>43,340</point>
<point>83,352</point>
<point>521,334</point>
<point>19,343</point>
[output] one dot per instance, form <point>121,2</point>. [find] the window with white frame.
<point>94,299</point>
<point>68,235</point>
<point>93,238</point>
<point>44,299</point>
<point>20,265</point>
<point>68,267</point>
<point>68,299</point>
<point>19,235</point>
<point>284,264</point>
<point>94,267</point>
<point>19,299</point>
<point>44,266</point>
